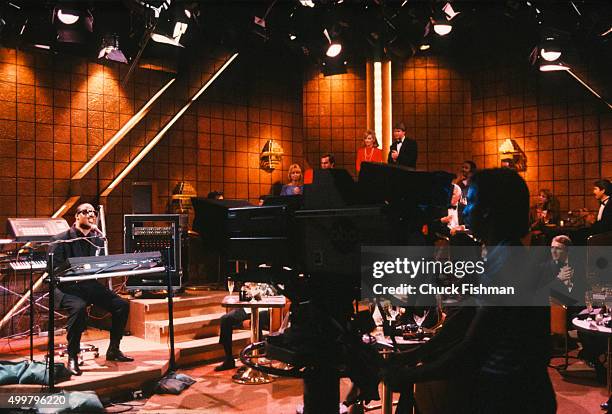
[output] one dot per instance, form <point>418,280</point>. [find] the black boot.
<point>73,366</point>
<point>115,354</point>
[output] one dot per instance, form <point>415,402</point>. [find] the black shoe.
<point>73,366</point>
<point>114,354</point>
<point>227,364</point>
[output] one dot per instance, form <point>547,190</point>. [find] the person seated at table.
<point>234,319</point>
<point>560,276</point>
<point>603,222</point>
<point>369,152</point>
<point>295,185</point>
<point>452,221</point>
<point>545,211</point>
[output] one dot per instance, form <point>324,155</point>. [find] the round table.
<point>248,375</point>
<point>591,327</point>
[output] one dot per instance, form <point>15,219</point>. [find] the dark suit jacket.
<point>605,224</point>
<point>553,287</point>
<point>77,248</point>
<point>407,155</point>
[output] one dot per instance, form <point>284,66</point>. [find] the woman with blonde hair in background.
<point>295,181</point>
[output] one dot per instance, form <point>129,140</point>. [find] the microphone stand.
<point>172,365</point>
<point>171,374</point>
<point>51,326</point>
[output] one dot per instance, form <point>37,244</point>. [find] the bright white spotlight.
<point>67,16</point>
<point>553,67</point>
<point>442,28</point>
<point>550,55</point>
<point>334,50</point>
<point>424,46</point>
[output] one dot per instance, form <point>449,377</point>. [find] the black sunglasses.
<point>88,212</point>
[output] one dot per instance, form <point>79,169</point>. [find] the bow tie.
<point>452,207</point>
<point>603,203</point>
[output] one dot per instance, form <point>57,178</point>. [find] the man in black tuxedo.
<point>403,150</point>
<point>561,275</point>
<point>603,223</point>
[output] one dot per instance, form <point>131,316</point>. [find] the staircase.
<point>196,326</point>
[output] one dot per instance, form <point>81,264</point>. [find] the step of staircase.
<point>185,329</point>
<point>207,350</point>
<point>143,311</point>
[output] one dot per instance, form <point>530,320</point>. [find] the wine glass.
<point>230,285</point>
<point>419,320</point>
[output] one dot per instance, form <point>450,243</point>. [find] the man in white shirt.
<point>452,219</point>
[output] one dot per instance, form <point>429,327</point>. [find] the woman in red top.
<point>369,152</point>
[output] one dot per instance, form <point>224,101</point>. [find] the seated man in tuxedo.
<point>562,277</point>
<point>84,239</point>
<point>403,150</point>
<point>603,222</point>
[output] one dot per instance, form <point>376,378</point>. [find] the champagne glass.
<point>230,285</point>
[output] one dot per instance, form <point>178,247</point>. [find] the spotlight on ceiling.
<point>442,27</point>
<point>553,66</point>
<point>334,47</point>
<point>307,3</point>
<point>171,26</point>
<point>441,19</point>
<point>550,50</point>
<point>333,50</point>
<point>73,25</point>
<point>67,16</point>
<point>109,49</point>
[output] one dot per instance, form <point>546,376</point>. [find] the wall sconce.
<point>512,155</point>
<point>271,156</point>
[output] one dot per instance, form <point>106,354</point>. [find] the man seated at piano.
<point>85,239</point>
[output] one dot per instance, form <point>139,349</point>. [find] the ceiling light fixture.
<point>553,66</point>
<point>68,16</point>
<point>334,50</point>
<point>109,49</point>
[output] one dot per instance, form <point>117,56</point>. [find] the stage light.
<point>425,46</point>
<point>307,3</point>
<point>171,26</point>
<point>553,66</point>
<point>550,49</point>
<point>72,25</point>
<point>334,50</point>
<point>67,16</point>
<point>442,27</point>
<point>109,49</point>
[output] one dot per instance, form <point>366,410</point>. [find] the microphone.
<point>96,229</point>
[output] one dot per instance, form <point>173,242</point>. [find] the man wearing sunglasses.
<point>85,239</point>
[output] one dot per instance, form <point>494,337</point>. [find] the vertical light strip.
<point>165,129</point>
<point>378,100</point>
<point>123,131</point>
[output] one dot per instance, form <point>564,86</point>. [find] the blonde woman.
<point>295,181</point>
<point>369,152</point>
